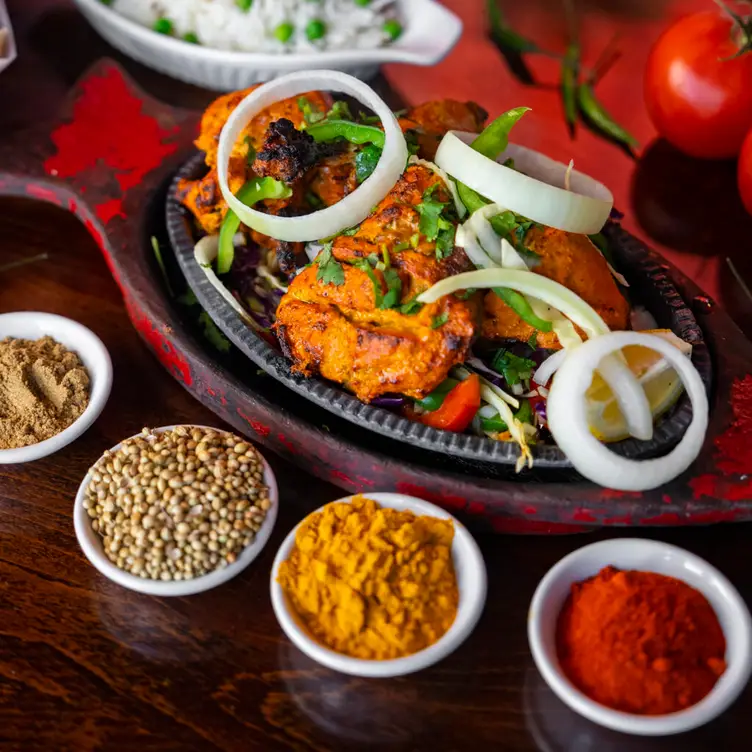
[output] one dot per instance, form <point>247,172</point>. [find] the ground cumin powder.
<point>44,387</point>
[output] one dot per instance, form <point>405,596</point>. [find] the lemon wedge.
<point>660,381</point>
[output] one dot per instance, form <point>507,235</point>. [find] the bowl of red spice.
<point>641,636</point>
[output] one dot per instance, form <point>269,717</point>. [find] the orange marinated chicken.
<point>339,332</point>
<point>203,196</point>
<point>432,120</point>
<point>576,263</point>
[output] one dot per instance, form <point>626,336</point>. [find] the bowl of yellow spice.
<point>380,585</point>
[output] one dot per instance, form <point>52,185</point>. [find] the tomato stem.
<point>742,30</point>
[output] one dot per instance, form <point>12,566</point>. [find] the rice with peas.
<point>275,26</point>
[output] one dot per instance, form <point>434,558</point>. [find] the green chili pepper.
<point>599,118</point>
<point>491,142</point>
<point>510,44</point>
<point>570,76</point>
<point>255,190</point>
<point>355,133</point>
<point>525,413</point>
<point>436,398</point>
<point>518,303</point>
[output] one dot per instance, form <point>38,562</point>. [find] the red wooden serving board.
<point>105,160</point>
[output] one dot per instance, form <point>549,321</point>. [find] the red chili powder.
<point>640,642</point>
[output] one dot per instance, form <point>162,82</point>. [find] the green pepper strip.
<point>518,303</point>
<point>600,118</point>
<point>436,398</point>
<point>355,133</point>
<point>255,190</point>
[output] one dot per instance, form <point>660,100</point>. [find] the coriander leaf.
<point>340,111</point>
<point>533,341</point>
<point>350,231</point>
<point>445,242</point>
<point>430,210</point>
<point>414,240</point>
<point>465,294</point>
<point>212,333</point>
<point>394,288</point>
<point>311,113</point>
<point>411,138</point>
<point>411,307</point>
<point>378,293</point>
<point>440,320</point>
<point>330,270</point>
<point>365,161</point>
<point>251,155</point>
<point>512,367</point>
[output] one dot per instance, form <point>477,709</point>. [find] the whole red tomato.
<point>698,99</point>
<point>744,172</point>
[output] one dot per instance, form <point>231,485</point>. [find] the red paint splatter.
<point>262,430</point>
<point>612,493</point>
<point>529,510</point>
<point>44,193</point>
<point>109,209</point>
<point>447,501</point>
<point>165,351</point>
<point>623,520</point>
<point>287,443</point>
<point>584,515</point>
<point>337,477</point>
<point>363,481</point>
<point>108,127</point>
<point>666,499</point>
<point>533,527</point>
<point>734,451</point>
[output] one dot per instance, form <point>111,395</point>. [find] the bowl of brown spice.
<point>55,378</point>
<point>641,636</point>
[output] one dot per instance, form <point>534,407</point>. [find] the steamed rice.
<point>222,24</point>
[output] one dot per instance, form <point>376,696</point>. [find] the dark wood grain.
<point>86,665</point>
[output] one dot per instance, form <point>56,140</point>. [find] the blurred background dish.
<point>421,32</point>
<point>7,42</point>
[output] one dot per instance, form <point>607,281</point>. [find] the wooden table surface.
<point>87,665</point>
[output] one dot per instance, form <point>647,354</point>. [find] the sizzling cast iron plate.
<point>650,286</point>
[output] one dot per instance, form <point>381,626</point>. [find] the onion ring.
<point>352,209</point>
<point>535,189</point>
<point>567,419</point>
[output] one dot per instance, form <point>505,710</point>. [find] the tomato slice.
<point>458,409</point>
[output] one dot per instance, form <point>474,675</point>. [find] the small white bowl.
<point>646,556</point>
<point>431,31</point>
<point>93,354</point>
<point>471,581</point>
<point>91,543</point>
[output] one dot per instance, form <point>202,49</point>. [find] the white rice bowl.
<point>223,25</point>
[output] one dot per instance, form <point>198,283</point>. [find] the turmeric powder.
<point>372,582</point>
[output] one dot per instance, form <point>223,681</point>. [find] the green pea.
<point>191,38</point>
<point>244,5</point>
<point>284,31</point>
<point>163,26</point>
<point>393,28</point>
<point>316,29</point>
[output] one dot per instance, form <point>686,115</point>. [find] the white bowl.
<point>91,543</point>
<point>471,581</point>
<point>93,354</point>
<point>431,31</point>
<point>648,556</point>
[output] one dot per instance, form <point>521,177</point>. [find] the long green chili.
<point>255,190</point>
<point>599,118</point>
<point>355,133</point>
<point>570,75</point>
<point>436,398</point>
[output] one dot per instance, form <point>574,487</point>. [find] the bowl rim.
<point>91,546</point>
<point>397,51</point>
<point>469,611</point>
<point>725,600</point>
<point>92,349</point>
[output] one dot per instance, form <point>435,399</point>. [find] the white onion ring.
<point>352,209</point>
<point>537,191</point>
<point>567,418</point>
<point>549,367</point>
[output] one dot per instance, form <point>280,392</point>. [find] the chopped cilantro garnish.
<point>251,155</point>
<point>330,270</point>
<point>440,320</point>
<point>313,200</point>
<point>514,228</point>
<point>366,160</point>
<point>400,247</point>
<point>350,231</point>
<point>533,341</point>
<point>311,113</point>
<point>430,210</point>
<point>411,138</point>
<point>465,294</point>
<point>340,111</point>
<point>512,367</point>
<point>411,306</point>
<point>414,240</point>
<point>445,241</point>
<point>392,279</point>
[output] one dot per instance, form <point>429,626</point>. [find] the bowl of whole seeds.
<point>176,510</point>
